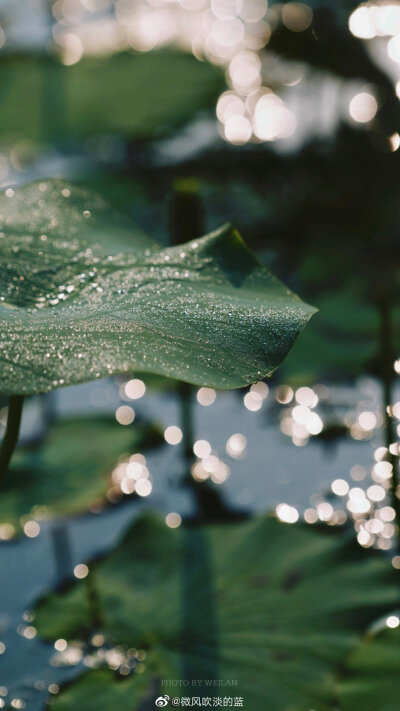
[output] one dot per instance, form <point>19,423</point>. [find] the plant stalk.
<point>187,222</point>
<point>186,395</point>
<point>387,375</point>
<point>93,599</point>
<point>10,438</point>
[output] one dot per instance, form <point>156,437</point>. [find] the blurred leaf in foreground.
<point>371,680</point>
<point>276,607</point>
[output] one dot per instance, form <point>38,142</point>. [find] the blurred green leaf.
<point>340,343</point>
<point>74,307</point>
<point>133,95</point>
<point>71,470</point>
<point>116,693</point>
<point>276,607</point>
<point>371,680</point>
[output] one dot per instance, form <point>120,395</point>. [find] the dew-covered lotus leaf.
<point>276,607</point>
<point>371,680</point>
<point>71,470</point>
<point>136,95</point>
<point>75,308</point>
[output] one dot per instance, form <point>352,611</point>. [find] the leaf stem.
<point>186,393</point>
<point>387,375</point>
<point>93,600</point>
<point>10,438</point>
<point>187,222</point>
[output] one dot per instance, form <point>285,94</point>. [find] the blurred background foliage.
<point>66,105</point>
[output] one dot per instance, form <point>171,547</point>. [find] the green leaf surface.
<point>73,307</point>
<point>372,676</point>
<point>136,95</point>
<point>71,470</point>
<point>276,607</point>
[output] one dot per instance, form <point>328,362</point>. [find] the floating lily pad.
<point>71,470</point>
<point>105,685</point>
<point>74,307</point>
<point>129,94</point>
<point>276,607</point>
<point>372,676</point>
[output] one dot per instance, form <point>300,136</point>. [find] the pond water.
<point>271,471</point>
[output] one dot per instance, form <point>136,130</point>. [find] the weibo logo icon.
<point>162,701</point>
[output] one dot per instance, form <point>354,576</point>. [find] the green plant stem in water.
<point>186,222</point>
<point>93,599</point>
<point>387,375</point>
<point>10,438</point>
<point>186,395</point>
